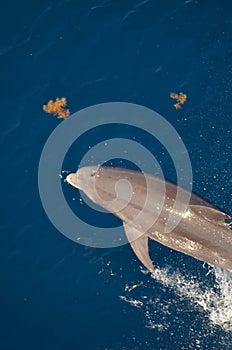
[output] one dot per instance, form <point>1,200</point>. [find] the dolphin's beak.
<point>72,180</point>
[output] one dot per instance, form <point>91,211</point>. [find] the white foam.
<point>215,301</point>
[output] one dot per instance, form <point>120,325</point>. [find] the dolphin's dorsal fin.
<point>210,214</point>
<point>139,246</point>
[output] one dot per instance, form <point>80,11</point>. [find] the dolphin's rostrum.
<point>147,205</point>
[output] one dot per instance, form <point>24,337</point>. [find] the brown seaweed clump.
<point>57,108</point>
<point>180,98</point>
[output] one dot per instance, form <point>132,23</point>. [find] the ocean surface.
<point>58,294</point>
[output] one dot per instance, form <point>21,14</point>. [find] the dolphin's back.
<point>146,203</point>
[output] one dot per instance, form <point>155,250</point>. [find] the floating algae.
<point>57,108</point>
<point>180,98</point>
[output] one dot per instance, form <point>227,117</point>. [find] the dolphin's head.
<point>106,186</point>
<point>83,179</point>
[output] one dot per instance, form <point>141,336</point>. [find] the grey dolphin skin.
<point>198,228</point>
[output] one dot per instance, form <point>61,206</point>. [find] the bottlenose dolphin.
<point>198,228</point>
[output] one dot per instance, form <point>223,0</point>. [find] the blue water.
<point>56,294</point>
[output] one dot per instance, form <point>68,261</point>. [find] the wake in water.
<point>215,301</point>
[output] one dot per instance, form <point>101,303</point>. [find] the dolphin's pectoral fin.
<point>139,246</point>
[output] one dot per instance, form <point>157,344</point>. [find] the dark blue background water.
<point>56,294</point>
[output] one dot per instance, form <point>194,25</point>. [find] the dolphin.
<point>147,206</point>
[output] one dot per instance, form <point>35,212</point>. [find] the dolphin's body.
<point>198,229</point>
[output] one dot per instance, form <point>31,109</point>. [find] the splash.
<point>215,301</point>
